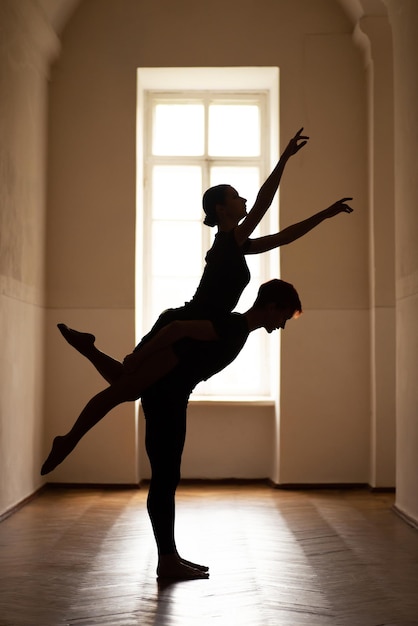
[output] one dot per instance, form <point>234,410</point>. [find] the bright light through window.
<point>175,190</point>
<point>242,123</point>
<point>245,179</point>
<point>178,129</point>
<point>192,144</point>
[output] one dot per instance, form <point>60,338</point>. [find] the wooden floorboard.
<point>86,557</point>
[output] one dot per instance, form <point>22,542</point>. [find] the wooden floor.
<point>277,558</point>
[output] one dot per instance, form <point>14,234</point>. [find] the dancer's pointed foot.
<point>172,567</point>
<point>80,341</point>
<point>61,448</point>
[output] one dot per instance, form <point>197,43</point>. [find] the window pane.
<point>178,129</point>
<point>246,180</point>
<point>187,136</point>
<point>254,265</point>
<point>176,249</point>
<point>247,376</point>
<point>176,192</point>
<point>167,293</point>
<point>234,130</point>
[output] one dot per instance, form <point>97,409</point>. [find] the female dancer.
<point>226,273</point>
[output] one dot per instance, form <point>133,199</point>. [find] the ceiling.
<point>59,11</point>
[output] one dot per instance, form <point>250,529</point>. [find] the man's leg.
<point>165,414</point>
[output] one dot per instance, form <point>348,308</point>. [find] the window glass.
<point>167,293</point>
<point>178,129</point>
<point>194,145</point>
<point>175,192</point>
<point>247,375</point>
<point>234,130</point>
<point>176,248</point>
<point>245,179</point>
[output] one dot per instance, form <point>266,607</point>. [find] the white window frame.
<point>188,81</point>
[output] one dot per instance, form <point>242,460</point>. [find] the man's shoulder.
<point>228,325</point>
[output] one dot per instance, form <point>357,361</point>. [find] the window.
<point>193,139</point>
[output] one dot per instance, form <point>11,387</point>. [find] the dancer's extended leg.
<point>126,388</point>
<point>107,367</point>
<point>122,390</point>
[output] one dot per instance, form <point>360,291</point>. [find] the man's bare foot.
<point>80,341</point>
<point>172,567</point>
<point>201,568</point>
<point>61,448</point>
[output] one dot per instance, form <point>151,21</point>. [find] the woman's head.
<point>223,206</point>
<point>211,198</point>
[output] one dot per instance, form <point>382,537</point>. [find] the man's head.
<point>279,301</point>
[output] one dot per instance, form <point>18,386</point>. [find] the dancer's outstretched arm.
<point>291,233</point>
<point>268,190</point>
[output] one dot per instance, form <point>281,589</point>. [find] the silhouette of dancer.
<point>226,273</point>
<point>164,372</point>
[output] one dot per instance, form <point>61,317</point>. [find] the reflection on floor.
<point>277,558</point>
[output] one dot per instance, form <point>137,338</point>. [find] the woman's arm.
<point>268,190</point>
<point>201,330</point>
<point>291,233</point>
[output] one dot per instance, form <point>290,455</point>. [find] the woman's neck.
<point>226,226</point>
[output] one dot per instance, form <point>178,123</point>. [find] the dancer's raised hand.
<point>295,144</point>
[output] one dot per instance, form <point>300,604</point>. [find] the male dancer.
<point>163,372</point>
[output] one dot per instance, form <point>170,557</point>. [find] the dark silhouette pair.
<point>191,343</point>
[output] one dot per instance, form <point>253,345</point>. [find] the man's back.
<point>199,360</point>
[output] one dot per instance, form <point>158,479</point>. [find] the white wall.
<point>224,442</point>
<point>329,355</point>
<point>26,45</point>
<point>404,20</point>
<point>91,211</point>
<point>325,381</point>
